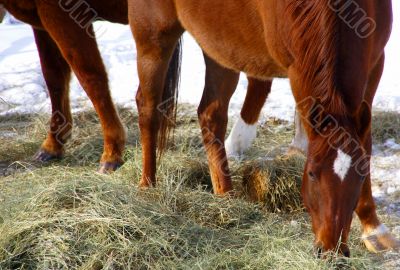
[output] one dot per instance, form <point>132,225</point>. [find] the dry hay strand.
<point>211,211</point>
<point>97,224</point>
<point>190,172</point>
<point>385,125</point>
<point>276,183</point>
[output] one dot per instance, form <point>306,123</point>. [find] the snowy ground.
<point>22,88</point>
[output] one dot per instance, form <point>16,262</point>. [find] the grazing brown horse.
<point>64,37</point>
<point>334,61</point>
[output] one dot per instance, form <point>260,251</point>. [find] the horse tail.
<point>168,106</point>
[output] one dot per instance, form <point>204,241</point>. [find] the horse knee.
<point>139,97</point>
<point>201,113</point>
<point>205,114</point>
<point>213,119</point>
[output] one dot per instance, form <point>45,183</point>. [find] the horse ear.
<point>363,120</point>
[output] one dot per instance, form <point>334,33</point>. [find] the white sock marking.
<point>381,229</point>
<point>300,141</point>
<point>240,139</point>
<point>342,164</point>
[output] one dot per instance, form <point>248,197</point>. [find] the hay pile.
<point>103,223</point>
<point>92,224</point>
<point>187,171</point>
<point>276,183</point>
<point>65,216</point>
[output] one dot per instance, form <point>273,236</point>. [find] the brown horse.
<point>75,48</point>
<point>64,37</point>
<point>334,61</point>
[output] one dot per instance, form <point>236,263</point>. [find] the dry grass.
<point>386,125</point>
<point>275,182</point>
<point>66,216</point>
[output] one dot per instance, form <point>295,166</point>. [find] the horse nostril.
<point>346,253</point>
<point>319,250</point>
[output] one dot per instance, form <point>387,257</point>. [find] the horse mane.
<point>315,47</point>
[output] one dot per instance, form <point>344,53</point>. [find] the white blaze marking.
<point>342,164</point>
<point>240,139</point>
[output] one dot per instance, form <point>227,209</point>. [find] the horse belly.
<point>114,11</point>
<point>230,32</point>
<point>23,10</point>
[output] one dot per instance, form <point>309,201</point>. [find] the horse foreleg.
<point>2,12</point>
<point>375,235</point>
<point>244,130</point>
<point>213,116</point>
<point>57,74</point>
<point>81,52</point>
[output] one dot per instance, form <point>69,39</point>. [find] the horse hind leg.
<point>2,13</point>
<point>375,235</point>
<point>213,116</point>
<point>244,130</point>
<point>81,52</point>
<point>57,74</point>
<point>158,59</point>
<point>299,144</point>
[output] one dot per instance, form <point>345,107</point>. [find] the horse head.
<point>336,168</point>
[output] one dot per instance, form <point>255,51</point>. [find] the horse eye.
<point>312,176</point>
<point>363,178</point>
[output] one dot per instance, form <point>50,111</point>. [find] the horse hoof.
<point>381,242</point>
<point>44,156</point>
<point>109,167</point>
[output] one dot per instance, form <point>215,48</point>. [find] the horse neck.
<point>332,59</point>
<point>361,42</point>
<point>316,52</point>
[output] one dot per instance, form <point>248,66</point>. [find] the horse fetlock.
<point>380,239</point>
<point>114,146</point>
<point>112,153</point>
<point>222,186</point>
<point>147,182</point>
<point>50,149</point>
<point>225,191</point>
